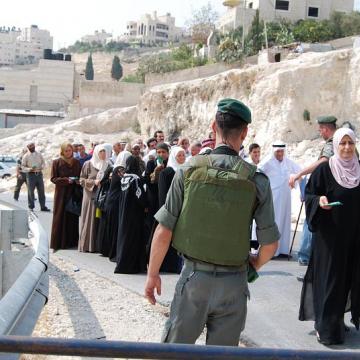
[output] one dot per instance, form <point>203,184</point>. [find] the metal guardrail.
<point>29,290</point>
<point>132,350</point>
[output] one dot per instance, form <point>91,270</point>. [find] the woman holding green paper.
<point>332,282</point>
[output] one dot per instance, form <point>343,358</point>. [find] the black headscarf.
<point>132,166</point>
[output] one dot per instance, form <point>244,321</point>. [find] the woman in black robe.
<point>113,199</point>
<point>152,172</point>
<point>332,282</point>
<point>101,238</point>
<point>130,249</point>
<point>172,262</point>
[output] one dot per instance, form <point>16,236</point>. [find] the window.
<point>250,5</point>
<point>162,27</point>
<point>161,34</point>
<point>282,5</point>
<point>313,11</point>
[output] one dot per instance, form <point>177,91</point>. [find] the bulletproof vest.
<point>216,216</point>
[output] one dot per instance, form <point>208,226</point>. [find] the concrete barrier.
<point>21,305</point>
<point>13,225</point>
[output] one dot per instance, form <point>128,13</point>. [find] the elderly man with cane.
<point>327,128</point>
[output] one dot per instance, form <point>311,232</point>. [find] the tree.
<point>202,23</point>
<point>116,69</point>
<point>182,53</point>
<point>230,48</point>
<point>313,31</point>
<point>89,70</point>
<point>255,37</point>
<point>279,32</point>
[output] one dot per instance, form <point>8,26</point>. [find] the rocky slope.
<point>109,126</point>
<point>278,94</point>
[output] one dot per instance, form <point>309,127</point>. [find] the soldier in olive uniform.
<point>207,217</point>
<point>327,128</point>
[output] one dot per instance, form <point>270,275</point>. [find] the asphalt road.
<point>272,310</point>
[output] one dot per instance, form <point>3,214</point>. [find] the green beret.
<point>328,119</point>
<point>235,108</point>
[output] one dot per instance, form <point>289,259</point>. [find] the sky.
<point>69,20</point>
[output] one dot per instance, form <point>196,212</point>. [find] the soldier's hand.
<point>152,283</point>
<point>253,260</point>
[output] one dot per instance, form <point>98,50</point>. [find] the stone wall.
<point>49,86</point>
<point>14,120</point>
<point>342,43</point>
<point>95,95</point>
<point>187,74</point>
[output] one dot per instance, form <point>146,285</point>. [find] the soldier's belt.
<point>202,266</point>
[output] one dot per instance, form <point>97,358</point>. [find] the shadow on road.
<point>84,321</point>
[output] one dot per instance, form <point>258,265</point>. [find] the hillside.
<point>278,94</point>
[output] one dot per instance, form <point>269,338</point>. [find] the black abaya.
<point>130,250</point>
<point>172,262</point>
<point>112,216</point>
<point>332,282</point>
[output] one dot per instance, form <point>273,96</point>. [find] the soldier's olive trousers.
<point>217,300</point>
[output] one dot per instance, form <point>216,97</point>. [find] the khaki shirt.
<point>32,162</point>
<point>267,230</point>
<point>328,149</point>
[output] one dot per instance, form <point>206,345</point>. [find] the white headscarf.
<point>108,148</point>
<point>175,150</point>
<point>121,159</point>
<point>345,172</point>
<point>151,155</point>
<point>99,164</point>
<point>278,145</point>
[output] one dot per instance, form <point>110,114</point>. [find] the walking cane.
<point>297,223</point>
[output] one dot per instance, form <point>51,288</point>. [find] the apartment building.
<point>101,37</point>
<point>152,29</point>
<point>241,12</point>
<point>26,46</point>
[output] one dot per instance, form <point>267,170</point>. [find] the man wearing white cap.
<point>279,168</point>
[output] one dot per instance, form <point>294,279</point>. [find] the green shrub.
<point>134,78</point>
<point>177,59</point>
<point>313,31</point>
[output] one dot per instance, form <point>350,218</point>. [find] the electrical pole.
<point>243,27</point>
<point>266,37</point>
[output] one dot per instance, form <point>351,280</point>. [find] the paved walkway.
<point>272,310</point>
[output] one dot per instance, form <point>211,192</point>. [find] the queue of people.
<point>105,201</point>
<point>143,204</point>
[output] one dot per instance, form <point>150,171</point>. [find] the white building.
<point>101,37</point>
<point>49,86</point>
<point>241,12</point>
<point>25,46</point>
<point>153,29</point>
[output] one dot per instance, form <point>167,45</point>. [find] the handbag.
<point>101,195</point>
<point>73,205</point>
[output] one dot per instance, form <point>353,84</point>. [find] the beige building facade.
<point>49,86</point>
<point>26,46</point>
<point>152,29</point>
<point>101,37</point>
<point>242,12</point>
